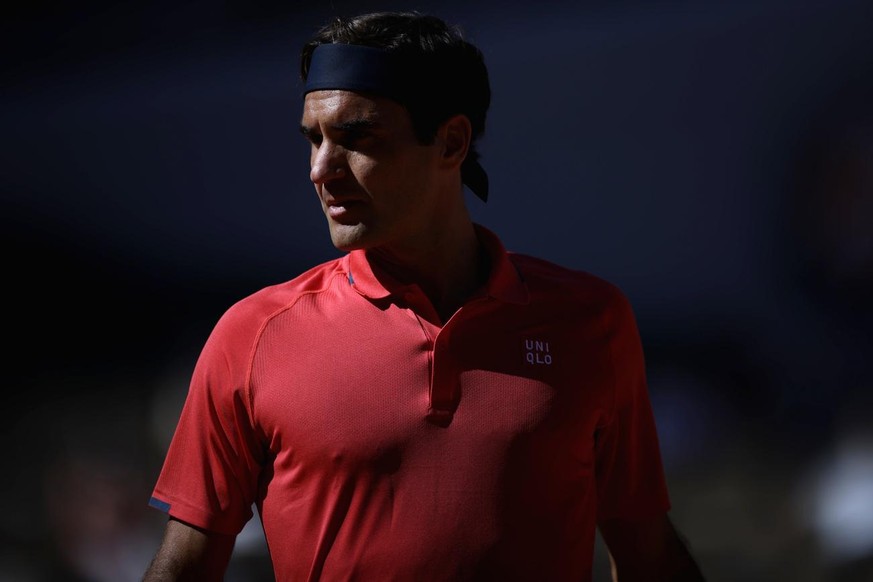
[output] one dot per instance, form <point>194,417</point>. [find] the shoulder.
<point>549,281</point>
<point>244,319</point>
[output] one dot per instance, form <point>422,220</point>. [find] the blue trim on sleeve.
<point>158,504</point>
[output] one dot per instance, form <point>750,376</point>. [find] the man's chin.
<point>349,237</point>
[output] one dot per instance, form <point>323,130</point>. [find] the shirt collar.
<point>504,283</point>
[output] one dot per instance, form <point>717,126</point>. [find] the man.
<point>428,407</point>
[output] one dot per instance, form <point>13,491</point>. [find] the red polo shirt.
<point>380,444</point>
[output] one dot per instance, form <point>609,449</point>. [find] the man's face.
<point>377,184</point>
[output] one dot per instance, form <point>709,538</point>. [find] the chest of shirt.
<point>356,385</point>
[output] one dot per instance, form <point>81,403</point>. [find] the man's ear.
<point>455,135</point>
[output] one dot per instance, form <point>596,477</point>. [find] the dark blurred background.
<point>714,159</point>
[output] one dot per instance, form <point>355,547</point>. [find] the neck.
<point>449,266</point>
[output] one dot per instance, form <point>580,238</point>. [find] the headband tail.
<point>474,176</point>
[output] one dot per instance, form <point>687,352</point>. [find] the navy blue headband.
<point>357,68</point>
<point>366,69</point>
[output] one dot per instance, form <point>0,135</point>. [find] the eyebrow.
<point>354,125</point>
<point>350,126</point>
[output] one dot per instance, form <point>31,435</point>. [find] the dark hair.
<point>449,73</point>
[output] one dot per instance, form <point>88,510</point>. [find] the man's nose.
<point>328,163</point>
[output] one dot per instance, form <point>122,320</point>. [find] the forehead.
<point>334,105</point>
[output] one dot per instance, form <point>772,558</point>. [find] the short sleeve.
<point>210,473</point>
<point>629,470</point>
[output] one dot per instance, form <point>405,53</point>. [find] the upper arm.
<point>628,467</point>
<point>648,550</point>
<point>190,553</point>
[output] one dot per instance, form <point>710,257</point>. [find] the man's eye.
<point>353,138</point>
<point>311,136</point>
